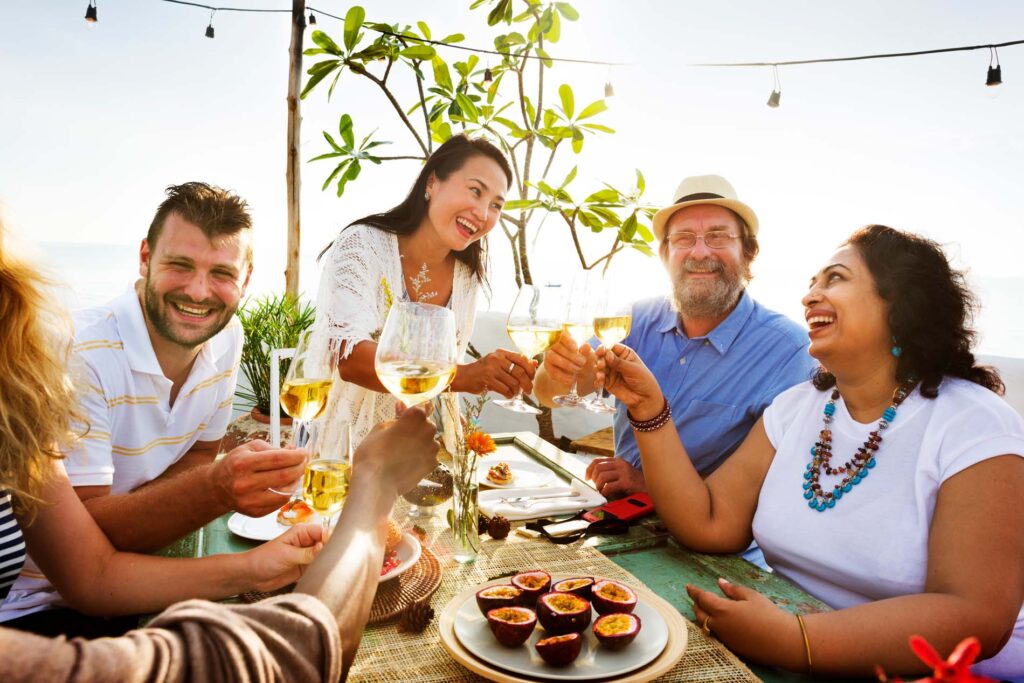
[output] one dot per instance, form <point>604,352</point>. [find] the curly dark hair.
<point>931,310</point>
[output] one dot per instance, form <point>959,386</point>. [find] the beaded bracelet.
<point>656,422</point>
<point>807,643</point>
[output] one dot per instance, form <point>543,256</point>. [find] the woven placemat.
<point>386,654</point>
<point>417,583</point>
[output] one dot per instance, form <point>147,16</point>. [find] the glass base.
<point>596,405</point>
<point>569,400</point>
<point>517,404</point>
<point>420,511</point>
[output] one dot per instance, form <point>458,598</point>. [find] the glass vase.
<point>465,535</point>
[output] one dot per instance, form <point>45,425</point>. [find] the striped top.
<point>12,546</point>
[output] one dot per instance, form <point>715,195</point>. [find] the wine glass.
<point>325,481</point>
<point>307,385</point>
<point>533,326</point>
<point>416,353</point>
<point>613,317</point>
<point>578,323</point>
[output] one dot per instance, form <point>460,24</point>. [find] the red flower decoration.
<point>955,669</point>
<point>480,443</point>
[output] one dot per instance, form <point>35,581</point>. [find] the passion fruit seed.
<point>512,615</point>
<point>615,623</point>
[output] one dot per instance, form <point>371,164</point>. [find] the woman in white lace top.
<point>430,249</point>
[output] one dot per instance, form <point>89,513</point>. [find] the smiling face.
<point>466,205</point>
<point>192,285</point>
<point>706,283</point>
<point>847,316</point>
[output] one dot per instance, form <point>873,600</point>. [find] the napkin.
<point>490,501</point>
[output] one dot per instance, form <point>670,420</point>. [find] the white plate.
<point>525,473</point>
<point>594,661</point>
<point>266,528</point>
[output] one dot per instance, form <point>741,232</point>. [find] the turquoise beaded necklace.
<point>856,468</point>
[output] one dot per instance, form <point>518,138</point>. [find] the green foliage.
<point>269,322</point>
<point>513,109</point>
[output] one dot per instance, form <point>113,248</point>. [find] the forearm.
<point>159,513</point>
<point>359,367</point>
<point>347,572</point>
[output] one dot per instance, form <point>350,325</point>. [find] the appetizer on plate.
<point>295,511</point>
<point>501,474</point>
<point>394,537</point>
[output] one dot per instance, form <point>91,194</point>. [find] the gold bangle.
<point>807,643</point>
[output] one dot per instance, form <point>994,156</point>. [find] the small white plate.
<point>525,473</point>
<point>408,550</point>
<point>594,661</point>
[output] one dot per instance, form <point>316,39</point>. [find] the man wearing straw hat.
<point>721,356</point>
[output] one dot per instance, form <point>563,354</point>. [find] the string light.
<point>609,91</point>
<point>209,29</point>
<point>773,99</point>
<point>90,13</point>
<point>995,73</point>
<point>488,76</point>
<point>312,19</point>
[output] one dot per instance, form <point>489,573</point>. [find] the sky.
<point>95,122</point>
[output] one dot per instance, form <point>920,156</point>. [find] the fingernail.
<point>722,581</point>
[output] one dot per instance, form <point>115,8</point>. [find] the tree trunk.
<point>546,426</point>
<point>292,174</point>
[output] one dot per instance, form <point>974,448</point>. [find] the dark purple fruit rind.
<point>507,630</point>
<point>488,602</point>
<point>560,650</point>
<point>582,590</point>
<point>610,637</point>
<point>622,601</point>
<point>562,613</point>
<point>531,593</point>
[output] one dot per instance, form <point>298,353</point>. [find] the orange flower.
<point>480,443</point>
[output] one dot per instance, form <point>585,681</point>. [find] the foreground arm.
<point>974,587</point>
<point>77,558</point>
<point>192,492</point>
<point>347,575</point>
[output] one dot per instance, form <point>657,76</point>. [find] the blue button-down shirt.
<point>718,385</point>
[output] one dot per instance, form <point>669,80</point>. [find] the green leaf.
<point>498,14</point>
<point>320,75</point>
<point>453,38</point>
<point>577,140</point>
<point>597,127</point>
<point>555,31</point>
<point>337,169</point>
<point>567,11</point>
<point>330,91</point>
<point>329,155</point>
<point>425,30</point>
<point>531,111</point>
<point>467,107</point>
<point>314,51</point>
<point>353,171</point>
<point>545,188</point>
<point>592,109</point>
<point>521,204</point>
<point>353,21</point>
<point>418,52</point>
<point>545,58</point>
<point>325,43</point>
<point>640,184</point>
<point>565,93</point>
<point>345,130</point>
<point>545,22</point>
<point>645,233</point>
<point>628,228</point>
<point>332,143</point>
<point>643,249</point>
<point>569,178</point>
<point>603,196</point>
<point>550,118</point>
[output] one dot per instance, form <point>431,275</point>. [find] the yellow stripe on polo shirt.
<point>163,441</point>
<point>95,344</point>
<point>211,381</point>
<point>133,400</point>
<point>96,435</point>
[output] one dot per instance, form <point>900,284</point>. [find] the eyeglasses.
<point>688,240</point>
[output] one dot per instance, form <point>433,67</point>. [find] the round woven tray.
<point>417,583</point>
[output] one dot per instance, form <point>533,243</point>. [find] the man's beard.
<point>157,312</point>
<point>705,298</point>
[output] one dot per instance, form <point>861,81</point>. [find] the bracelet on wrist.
<point>807,644</point>
<point>656,422</point>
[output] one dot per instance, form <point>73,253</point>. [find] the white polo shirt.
<point>134,434</point>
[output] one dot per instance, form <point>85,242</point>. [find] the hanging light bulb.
<point>90,13</point>
<point>209,29</point>
<point>312,19</point>
<point>488,76</point>
<point>773,99</point>
<point>609,91</point>
<point>995,73</point>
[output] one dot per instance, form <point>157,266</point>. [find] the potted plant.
<point>270,322</point>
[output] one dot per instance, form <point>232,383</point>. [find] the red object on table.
<point>627,509</point>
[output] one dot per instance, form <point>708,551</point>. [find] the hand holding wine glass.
<point>613,317</point>
<point>416,353</point>
<point>578,323</point>
<point>533,326</point>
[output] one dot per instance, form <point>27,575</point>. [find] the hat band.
<point>697,196</point>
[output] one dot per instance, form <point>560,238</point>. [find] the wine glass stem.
<point>572,392</point>
<point>518,398</point>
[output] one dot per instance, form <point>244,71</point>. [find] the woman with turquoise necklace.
<point>889,487</point>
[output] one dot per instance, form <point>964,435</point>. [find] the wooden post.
<point>292,174</point>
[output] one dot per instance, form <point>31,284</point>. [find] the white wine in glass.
<point>416,353</point>
<point>613,319</point>
<point>325,480</point>
<point>533,326</point>
<point>578,323</point>
<point>611,329</point>
<point>305,399</point>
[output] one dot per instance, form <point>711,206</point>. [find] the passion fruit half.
<point>580,586</point>
<point>533,585</point>
<point>512,626</point>
<point>563,613</point>
<point>560,650</point>
<point>611,597</point>
<point>494,597</point>
<point>616,631</point>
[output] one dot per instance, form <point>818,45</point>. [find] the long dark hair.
<point>931,310</point>
<point>446,159</point>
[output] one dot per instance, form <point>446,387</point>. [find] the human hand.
<point>750,625</point>
<point>242,479</point>
<point>621,372</point>
<point>564,360</point>
<point>281,561</point>
<point>615,476</point>
<point>398,456</point>
<point>501,371</point>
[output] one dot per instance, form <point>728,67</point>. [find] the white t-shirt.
<point>134,433</point>
<point>873,544</point>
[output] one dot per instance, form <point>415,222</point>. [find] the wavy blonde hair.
<point>38,410</point>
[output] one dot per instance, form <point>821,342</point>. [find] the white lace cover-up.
<point>352,306</point>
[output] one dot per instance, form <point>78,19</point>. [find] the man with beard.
<point>720,356</point>
<point>156,372</point>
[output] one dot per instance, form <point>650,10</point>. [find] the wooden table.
<point>646,551</point>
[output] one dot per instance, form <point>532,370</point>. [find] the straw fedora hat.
<point>704,189</point>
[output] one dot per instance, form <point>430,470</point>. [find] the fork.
<point>526,501</point>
